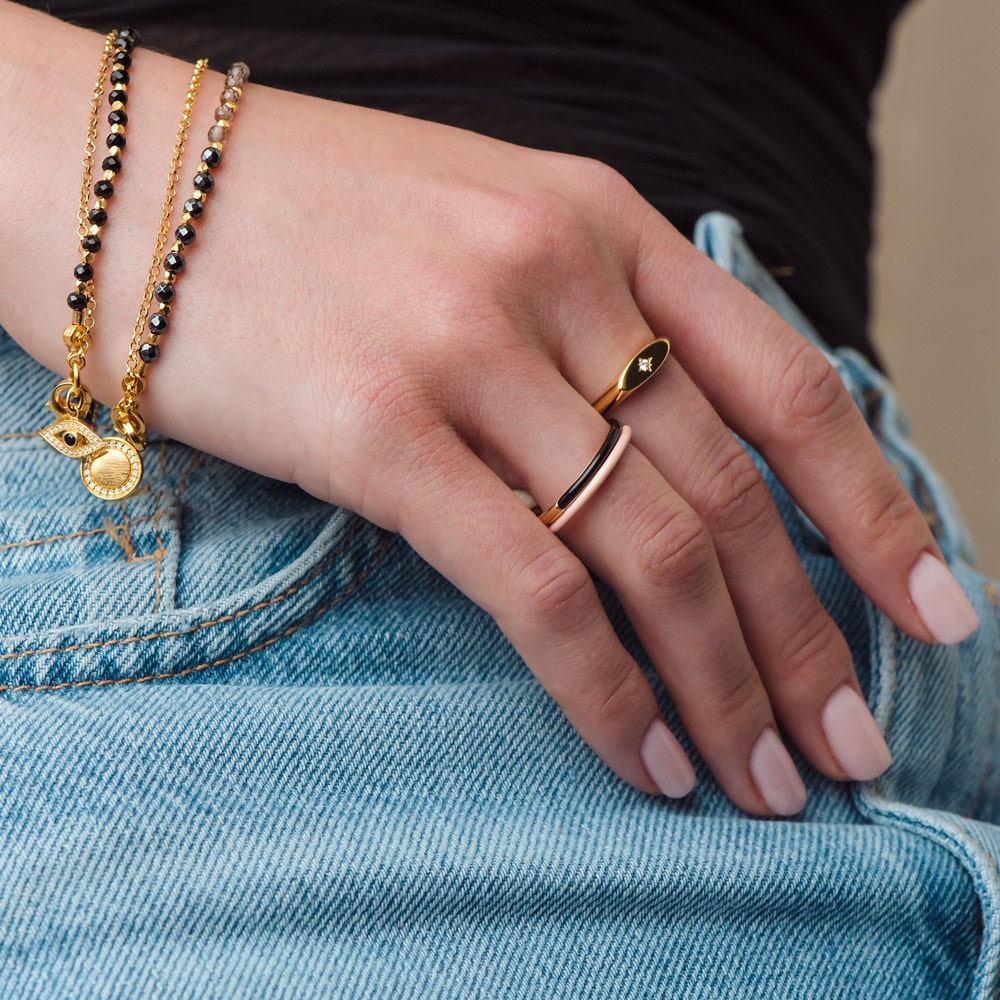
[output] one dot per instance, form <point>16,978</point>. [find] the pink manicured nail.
<point>940,602</point>
<point>775,776</point>
<point>854,735</point>
<point>666,762</point>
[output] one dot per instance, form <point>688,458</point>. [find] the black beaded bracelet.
<point>92,220</point>
<point>185,234</point>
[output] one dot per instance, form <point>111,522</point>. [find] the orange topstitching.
<point>170,633</point>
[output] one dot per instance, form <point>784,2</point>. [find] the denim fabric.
<point>253,746</point>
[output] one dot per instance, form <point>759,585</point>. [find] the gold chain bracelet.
<point>111,467</point>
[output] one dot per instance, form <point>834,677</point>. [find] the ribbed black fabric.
<point>760,108</point>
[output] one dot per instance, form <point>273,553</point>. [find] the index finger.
<point>781,394</point>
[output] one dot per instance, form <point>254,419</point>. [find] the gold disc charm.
<point>113,472</point>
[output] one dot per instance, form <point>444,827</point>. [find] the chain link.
<point>132,383</point>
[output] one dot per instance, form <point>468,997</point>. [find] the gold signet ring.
<point>637,372</point>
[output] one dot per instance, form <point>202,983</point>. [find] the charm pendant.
<point>111,468</point>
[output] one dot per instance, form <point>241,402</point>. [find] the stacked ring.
<point>588,482</point>
<point>643,366</point>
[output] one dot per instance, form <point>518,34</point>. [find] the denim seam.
<point>107,526</point>
<point>893,694</point>
<point>988,770</point>
<point>186,671</point>
<point>957,842</point>
<point>175,633</point>
<point>873,805</point>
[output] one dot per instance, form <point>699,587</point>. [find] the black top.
<point>759,108</point>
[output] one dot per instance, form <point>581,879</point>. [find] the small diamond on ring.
<point>645,364</point>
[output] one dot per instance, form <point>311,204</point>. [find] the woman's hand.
<point>409,319</point>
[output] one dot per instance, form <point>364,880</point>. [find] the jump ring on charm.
<point>643,366</point>
<point>590,480</point>
<point>69,398</point>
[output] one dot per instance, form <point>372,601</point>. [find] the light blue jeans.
<point>252,746</point>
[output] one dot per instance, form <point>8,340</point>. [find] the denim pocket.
<point>204,565</point>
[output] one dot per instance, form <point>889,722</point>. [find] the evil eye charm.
<point>72,437</point>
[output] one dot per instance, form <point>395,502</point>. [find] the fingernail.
<point>940,601</point>
<point>775,776</point>
<point>666,761</point>
<point>854,736</point>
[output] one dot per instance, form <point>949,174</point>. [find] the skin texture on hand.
<point>408,319</point>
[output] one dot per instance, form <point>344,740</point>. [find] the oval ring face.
<point>645,365</point>
<point>114,472</point>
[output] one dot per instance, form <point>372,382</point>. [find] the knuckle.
<point>528,230</point>
<point>808,651</point>
<point>393,405</point>
<point>614,701</point>
<point>737,697</point>
<point>599,178</point>
<point>677,554</point>
<point>810,389</point>
<point>738,498</point>
<point>885,510</point>
<point>553,587</point>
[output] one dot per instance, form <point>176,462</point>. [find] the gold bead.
<point>73,334</point>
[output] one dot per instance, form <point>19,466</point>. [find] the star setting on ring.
<point>645,364</point>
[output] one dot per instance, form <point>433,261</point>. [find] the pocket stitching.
<point>186,671</point>
<point>106,527</point>
<point>223,619</point>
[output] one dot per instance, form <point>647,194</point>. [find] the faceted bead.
<point>127,39</point>
<point>98,216</point>
<point>77,301</point>
<point>91,244</point>
<point>204,181</point>
<point>158,323</point>
<point>120,76</point>
<point>83,272</point>
<point>118,118</point>
<point>223,113</point>
<point>115,140</point>
<point>118,95</point>
<point>104,189</point>
<point>186,234</point>
<point>217,133</point>
<point>173,262</point>
<point>238,74</point>
<point>230,96</point>
<point>112,163</point>
<point>194,207</point>
<point>164,291</point>
<point>123,59</point>
<point>211,156</point>
<point>148,352</point>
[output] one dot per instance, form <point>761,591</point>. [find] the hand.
<point>408,319</point>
